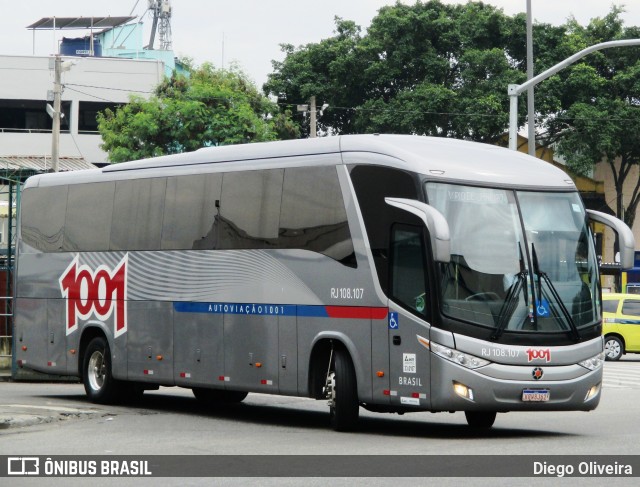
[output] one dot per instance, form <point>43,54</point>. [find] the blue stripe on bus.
<point>312,311</point>
<point>309,311</point>
<point>236,308</point>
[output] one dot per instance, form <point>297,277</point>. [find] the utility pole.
<point>531,113</point>
<point>312,119</point>
<point>55,132</point>
<point>311,108</point>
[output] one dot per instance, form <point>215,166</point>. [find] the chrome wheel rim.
<point>331,389</point>
<point>96,370</point>
<point>612,349</point>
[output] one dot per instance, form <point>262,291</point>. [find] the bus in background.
<point>394,273</point>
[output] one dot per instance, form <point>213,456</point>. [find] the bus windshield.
<point>521,261</point>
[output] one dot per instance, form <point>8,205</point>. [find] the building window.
<point>30,116</point>
<point>88,113</point>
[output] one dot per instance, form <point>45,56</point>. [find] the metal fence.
<point>6,329</point>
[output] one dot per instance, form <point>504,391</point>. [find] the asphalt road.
<point>57,419</point>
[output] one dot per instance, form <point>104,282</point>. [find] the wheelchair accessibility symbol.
<point>542,308</point>
<point>393,321</point>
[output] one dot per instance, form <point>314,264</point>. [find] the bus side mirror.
<point>625,236</point>
<point>433,220</point>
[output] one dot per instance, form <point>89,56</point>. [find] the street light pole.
<point>55,129</point>
<point>514,90</point>
<point>531,113</point>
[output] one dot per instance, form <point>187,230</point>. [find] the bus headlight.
<point>465,359</point>
<point>592,392</point>
<point>594,362</point>
<point>462,390</point>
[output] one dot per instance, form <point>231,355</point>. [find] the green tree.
<point>427,68</point>
<point>208,107</point>
<point>594,106</point>
<point>328,70</point>
<point>443,70</point>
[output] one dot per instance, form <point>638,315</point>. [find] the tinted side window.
<point>42,213</point>
<point>89,213</point>
<point>631,307</point>
<point>137,214</point>
<point>610,305</point>
<point>372,184</point>
<point>408,268</point>
<point>313,216</point>
<point>250,209</point>
<point>190,211</point>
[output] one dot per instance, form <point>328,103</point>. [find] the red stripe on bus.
<point>356,312</point>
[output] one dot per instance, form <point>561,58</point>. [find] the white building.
<point>91,84</point>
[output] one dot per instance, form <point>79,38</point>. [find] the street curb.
<point>28,416</point>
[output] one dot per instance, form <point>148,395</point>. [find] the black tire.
<point>613,348</point>
<point>480,419</point>
<point>216,396</point>
<point>344,406</point>
<point>98,380</point>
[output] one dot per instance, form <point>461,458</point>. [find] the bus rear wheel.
<point>480,419</point>
<point>98,380</point>
<point>342,392</point>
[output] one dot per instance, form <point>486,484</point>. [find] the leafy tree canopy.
<point>439,69</point>
<point>209,107</point>
<point>427,68</point>
<point>596,106</point>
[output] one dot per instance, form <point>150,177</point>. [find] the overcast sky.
<point>249,32</point>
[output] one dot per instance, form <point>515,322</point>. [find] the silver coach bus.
<point>396,273</point>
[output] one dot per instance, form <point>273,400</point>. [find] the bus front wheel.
<point>480,419</point>
<point>98,380</point>
<point>342,392</point>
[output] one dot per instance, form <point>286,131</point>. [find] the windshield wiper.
<point>554,292</point>
<point>511,300</point>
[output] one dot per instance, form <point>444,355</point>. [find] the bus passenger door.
<point>409,361</point>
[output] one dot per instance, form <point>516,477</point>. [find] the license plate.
<point>535,395</point>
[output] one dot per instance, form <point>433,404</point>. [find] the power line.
<point>76,144</point>
<point>93,96</point>
<point>457,114</point>
<point>108,88</point>
<point>362,109</point>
